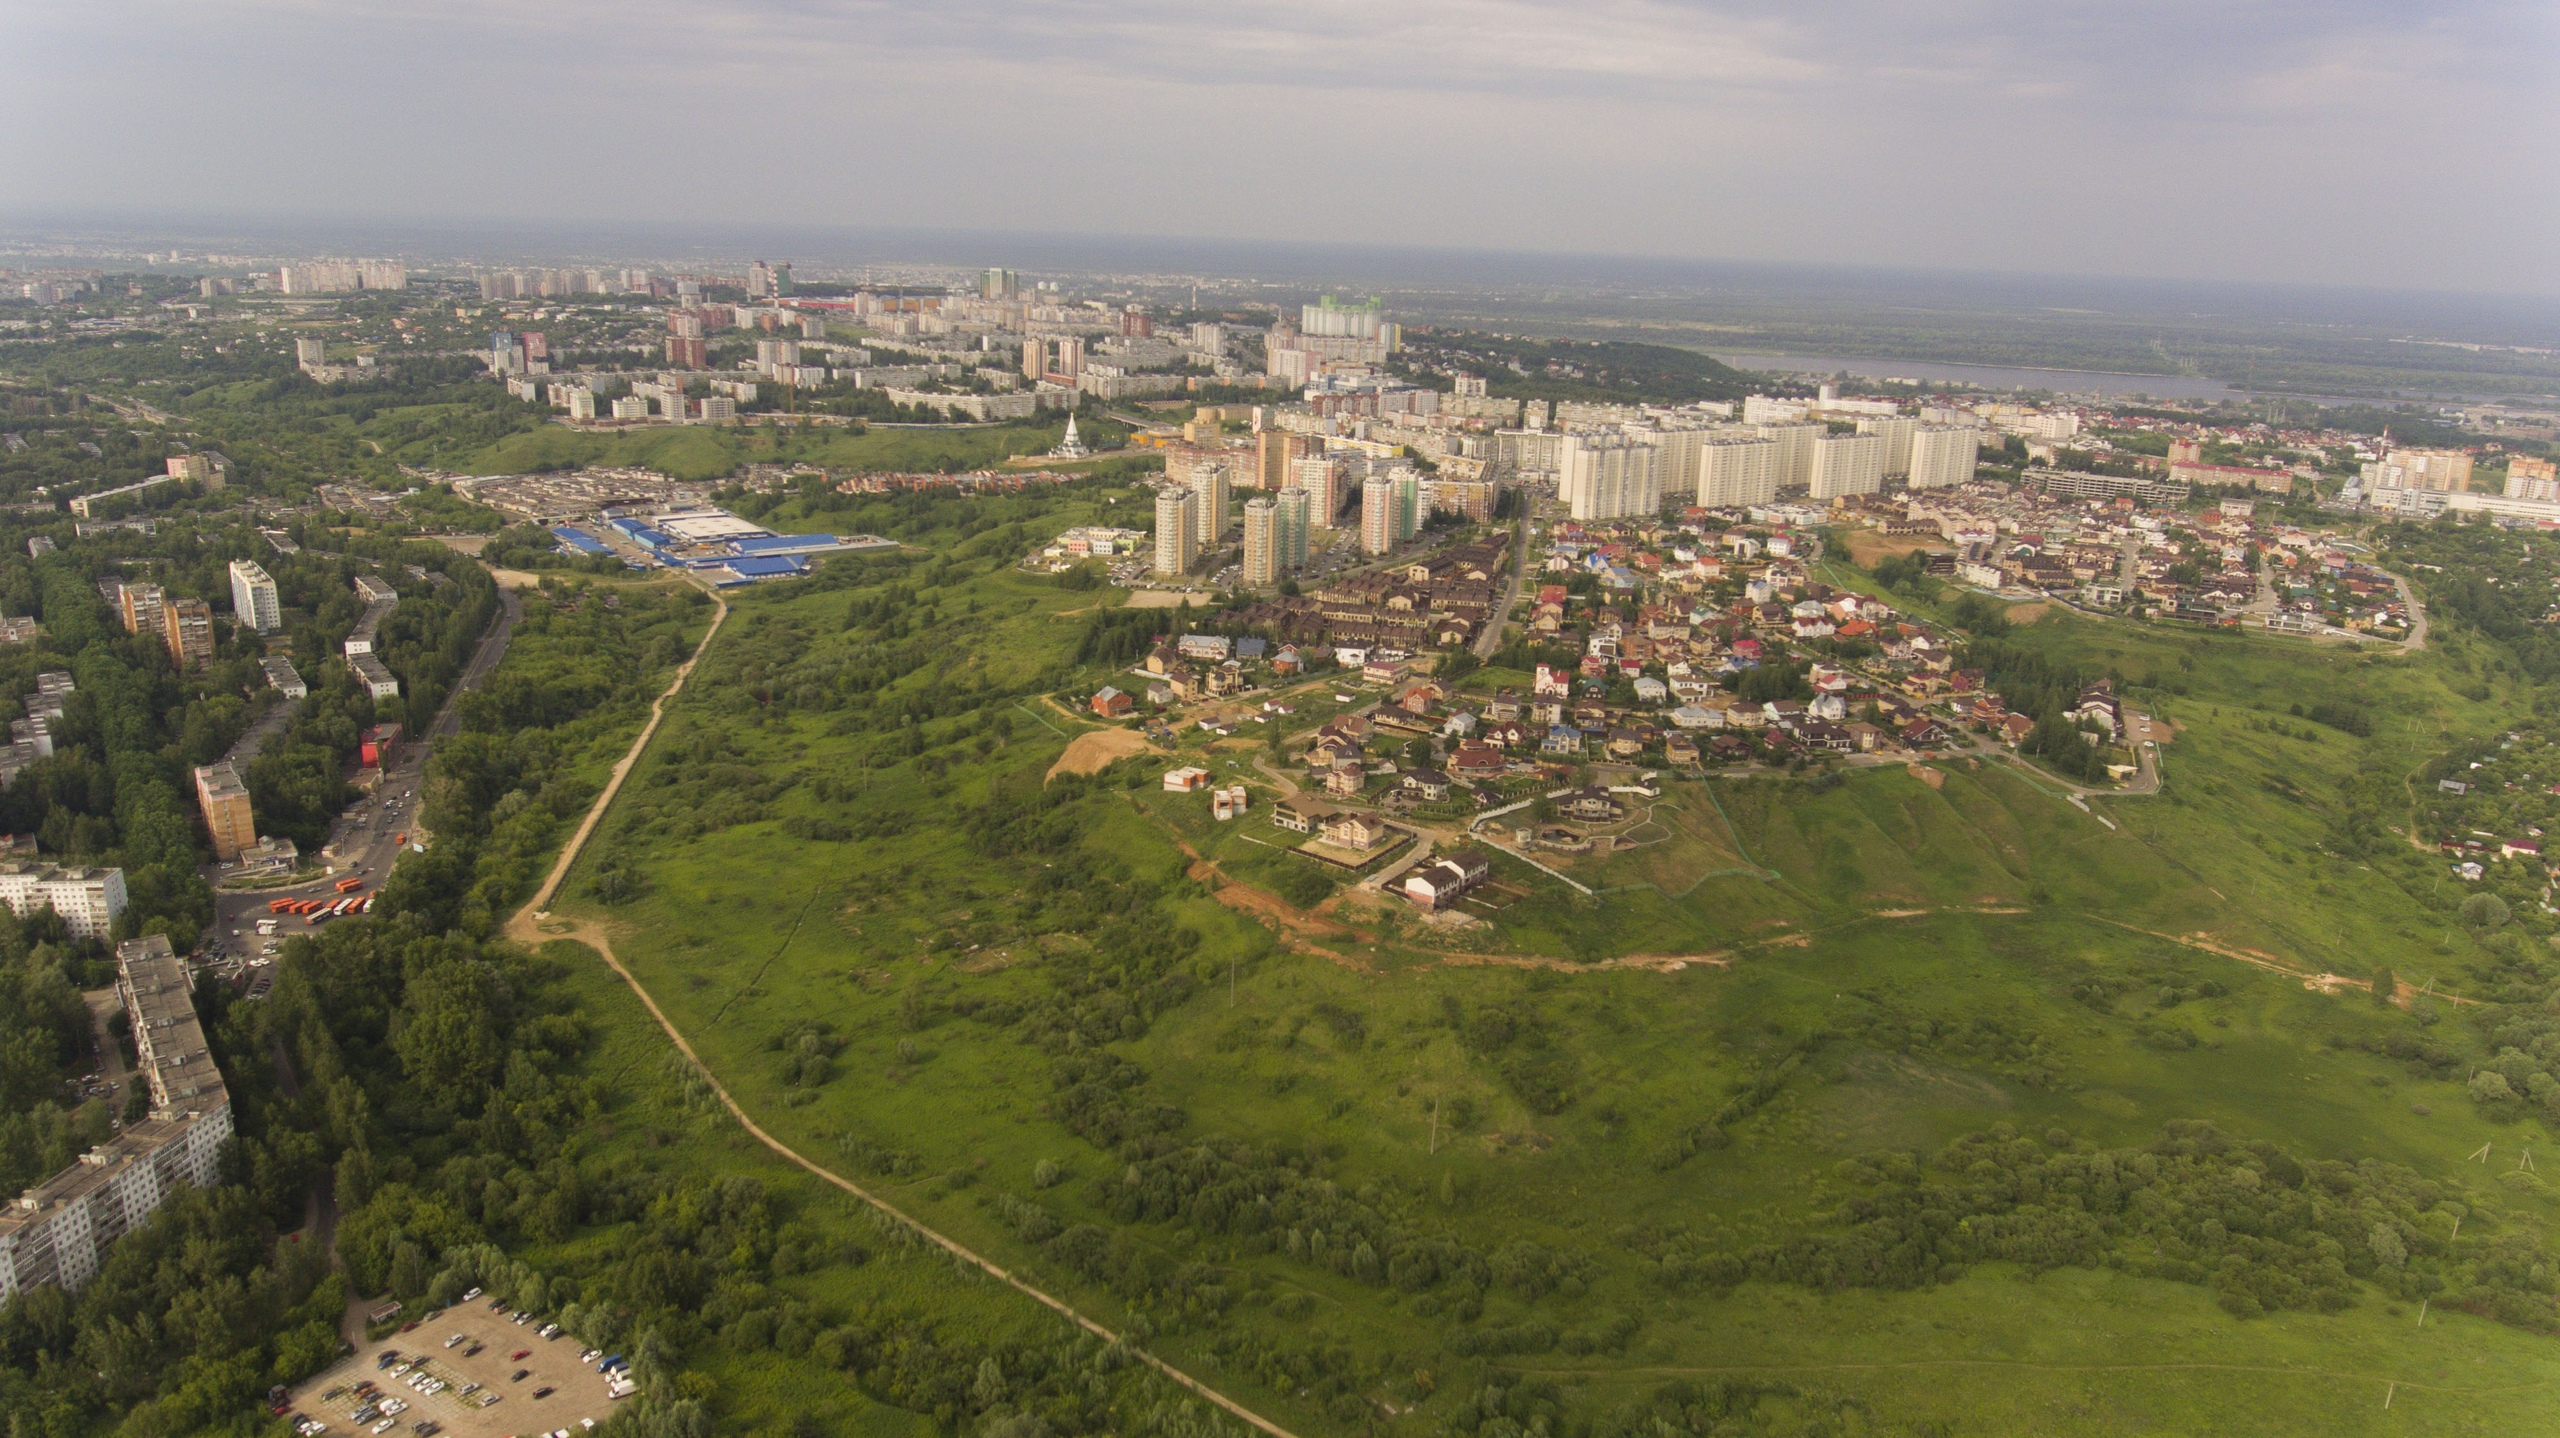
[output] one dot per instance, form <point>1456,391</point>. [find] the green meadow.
<point>1963,1109</point>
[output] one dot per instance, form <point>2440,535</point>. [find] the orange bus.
<point>349,886</point>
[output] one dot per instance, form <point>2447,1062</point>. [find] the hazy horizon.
<point>2357,145</point>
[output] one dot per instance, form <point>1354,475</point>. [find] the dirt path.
<point>524,929</point>
<point>2402,993</point>
<point>534,926</point>
<point>621,769</point>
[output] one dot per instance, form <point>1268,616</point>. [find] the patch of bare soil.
<point>1095,750</point>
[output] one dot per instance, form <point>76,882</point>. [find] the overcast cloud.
<point>2399,144</point>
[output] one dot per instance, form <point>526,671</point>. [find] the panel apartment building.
<point>57,1232</point>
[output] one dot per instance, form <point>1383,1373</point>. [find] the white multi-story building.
<point>1177,530</point>
<point>1761,409</point>
<point>56,1232</point>
<point>1261,541</point>
<point>1897,431</point>
<point>1607,476</point>
<point>253,597</point>
<point>1944,455</point>
<point>1209,487</point>
<point>1377,515</point>
<point>1795,450</point>
<point>378,680</point>
<point>87,899</point>
<point>1323,478</point>
<point>1737,470</point>
<point>1845,464</point>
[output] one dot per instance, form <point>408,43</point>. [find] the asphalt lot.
<point>578,1396</point>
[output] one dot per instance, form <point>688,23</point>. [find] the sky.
<point>2391,143</point>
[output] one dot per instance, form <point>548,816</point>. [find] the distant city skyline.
<point>2361,144</point>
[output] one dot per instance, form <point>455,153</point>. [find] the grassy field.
<point>1038,1019</point>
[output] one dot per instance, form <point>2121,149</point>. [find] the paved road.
<point>362,843</point>
<point>1489,643</point>
<point>2417,636</point>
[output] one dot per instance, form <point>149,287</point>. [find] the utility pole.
<point>1435,1125</point>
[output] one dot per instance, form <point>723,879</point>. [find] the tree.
<point>2385,984</point>
<point>2483,912</point>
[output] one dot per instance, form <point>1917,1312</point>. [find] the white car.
<point>385,1425</point>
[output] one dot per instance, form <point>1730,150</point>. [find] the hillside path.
<point>534,926</point>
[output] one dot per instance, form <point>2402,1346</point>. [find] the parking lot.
<point>577,1396</point>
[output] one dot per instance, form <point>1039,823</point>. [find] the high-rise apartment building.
<point>1795,450</point>
<point>1607,476</point>
<point>2439,469</point>
<point>2532,478</point>
<point>187,628</point>
<point>1737,470</point>
<point>1944,455</point>
<point>1323,478</point>
<point>1035,358</point>
<point>254,605</point>
<point>688,352</point>
<point>1177,530</point>
<point>1071,355</point>
<point>999,285</point>
<point>1846,464</point>
<point>1377,515</point>
<point>1261,541</point>
<point>1897,431</point>
<point>225,802</point>
<point>1290,536</point>
<point>1209,489</point>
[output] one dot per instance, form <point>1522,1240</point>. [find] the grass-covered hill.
<point>1891,1102</point>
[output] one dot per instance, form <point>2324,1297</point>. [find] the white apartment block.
<point>1210,492</point>
<point>253,597</point>
<point>1795,450</point>
<point>1943,455</point>
<point>378,681</point>
<point>1845,464</point>
<point>1177,530</point>
<point>87,899</point>
<point>1608,476</point>
<point>1735,471</point>
<point>1261,541</point>
<point>1377,515</point>
<point>1761,409</point>
<point>1897,431</point>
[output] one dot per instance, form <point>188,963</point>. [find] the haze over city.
<point>2369,144</point>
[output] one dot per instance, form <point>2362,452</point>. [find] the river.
<point>1995,377</point>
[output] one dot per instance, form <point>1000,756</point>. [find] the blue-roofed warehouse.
<point>746,569</point>
<point>579,540</point>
